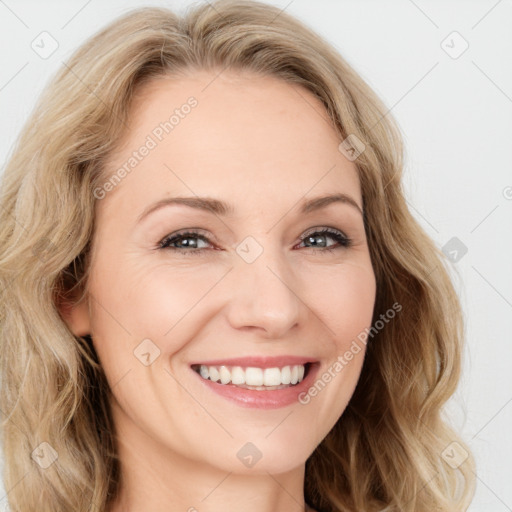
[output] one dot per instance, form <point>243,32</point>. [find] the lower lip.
<point>255,399</point>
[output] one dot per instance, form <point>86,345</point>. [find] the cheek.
<point>344,298</point>
<point>134,301</point>
<point>170,302</point>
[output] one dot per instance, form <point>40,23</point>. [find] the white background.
<point>456,118</point>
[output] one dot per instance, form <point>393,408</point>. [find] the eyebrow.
<point>225,209</point>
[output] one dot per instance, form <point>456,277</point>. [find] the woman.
<point>213,293</point>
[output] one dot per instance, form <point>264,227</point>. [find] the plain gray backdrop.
<point>443,69</point>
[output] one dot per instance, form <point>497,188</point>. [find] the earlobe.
<point>76,316</point>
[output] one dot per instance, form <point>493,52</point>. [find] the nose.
<point>263,297</point>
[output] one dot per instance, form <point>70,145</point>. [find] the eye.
<point>192,241</point>
<point>319,239</point>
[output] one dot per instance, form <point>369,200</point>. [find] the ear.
<point>75,314</point>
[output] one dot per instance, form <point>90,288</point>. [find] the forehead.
<point>246,137</point>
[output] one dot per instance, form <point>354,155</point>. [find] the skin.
<point>264,146</point>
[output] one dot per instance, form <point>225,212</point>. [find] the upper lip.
<point>258,361</point>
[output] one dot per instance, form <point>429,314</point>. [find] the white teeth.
<point>237,375</point>
<point>295,375</point>
<point>259,378</point>
<point>254,377</point>
<point>286,375</point>
<point>213,373</point>
<point>271,376</point>
<point>203,371</point>
<point>225,375</point>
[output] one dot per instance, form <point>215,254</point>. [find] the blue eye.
<point>316,237</point>
<point>189,242</point>
<point>184,240</point>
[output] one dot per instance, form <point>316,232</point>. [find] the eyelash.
<point>344,242</point>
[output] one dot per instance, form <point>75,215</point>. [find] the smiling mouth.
<point>253,377</point>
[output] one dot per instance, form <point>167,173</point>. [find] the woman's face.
<point>258,285</point>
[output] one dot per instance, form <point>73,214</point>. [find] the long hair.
<point>387,452</point>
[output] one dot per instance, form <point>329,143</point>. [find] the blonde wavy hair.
<point>385,452</point>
